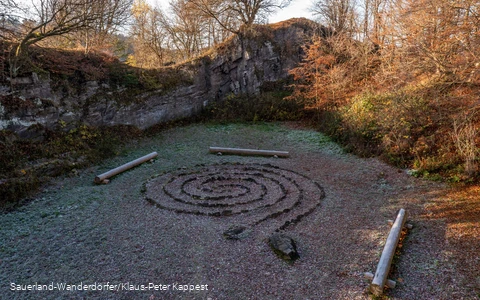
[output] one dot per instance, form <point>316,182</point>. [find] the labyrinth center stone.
<point>256,192</point>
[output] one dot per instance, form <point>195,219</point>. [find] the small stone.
<point>284,246</point>
<point>236,232</point>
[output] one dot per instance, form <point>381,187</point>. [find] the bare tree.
<point>149,35</point>
<point>337,14</point>
<point>439,37</point>
<point>8,8</point>
<point>230,14</point>
<point>8,22</point>
<point>372,20</point>
<point>61,17</point>
<point>10,12</point>
<point>186,28</point>
<point>112,15</point>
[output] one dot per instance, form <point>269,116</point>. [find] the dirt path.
<point>80,233</point>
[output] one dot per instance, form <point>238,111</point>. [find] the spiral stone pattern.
<point>256,192</point>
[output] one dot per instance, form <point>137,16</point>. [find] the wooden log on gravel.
<point>383,268</point>
<point>408,226</point>
<point>102,178</point>
<point>390,283</point>
<point>239,151</point>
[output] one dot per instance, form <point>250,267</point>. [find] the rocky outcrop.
<point>241,65</point>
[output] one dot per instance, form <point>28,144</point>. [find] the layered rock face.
<point>240,66</point>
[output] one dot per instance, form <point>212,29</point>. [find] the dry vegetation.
<point>407,91</point>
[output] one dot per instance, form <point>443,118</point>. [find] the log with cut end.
<point>240,151</point>
<point>102,178</point>
<point>383,268</point>
<point>390,283</point>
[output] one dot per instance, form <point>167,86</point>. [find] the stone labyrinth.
<point>254,192</point>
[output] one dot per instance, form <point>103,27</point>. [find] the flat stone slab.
<point>284,246</point>
<point>236,232</point>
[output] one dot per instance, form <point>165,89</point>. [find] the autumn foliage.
<point>405,88</point>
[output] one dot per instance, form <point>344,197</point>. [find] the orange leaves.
<point>333,67</point>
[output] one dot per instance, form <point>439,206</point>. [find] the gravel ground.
<point>109,236</point>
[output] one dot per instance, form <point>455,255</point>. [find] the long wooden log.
<point>102,178</point>
<point>383,268</point>
<point>240,151</point>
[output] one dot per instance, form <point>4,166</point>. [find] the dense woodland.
<point>397,79</point>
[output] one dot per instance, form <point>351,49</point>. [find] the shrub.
<point>13,190</point>
<point>394,125</point>
<point>25,165</point>
<point>268,106</point>
<point>464,135</point>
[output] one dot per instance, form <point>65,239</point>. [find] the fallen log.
<point>239,151</point>
<point>102,178</point>
<point>383,268</point>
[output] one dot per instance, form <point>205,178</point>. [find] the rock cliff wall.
<point>241,65</point>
